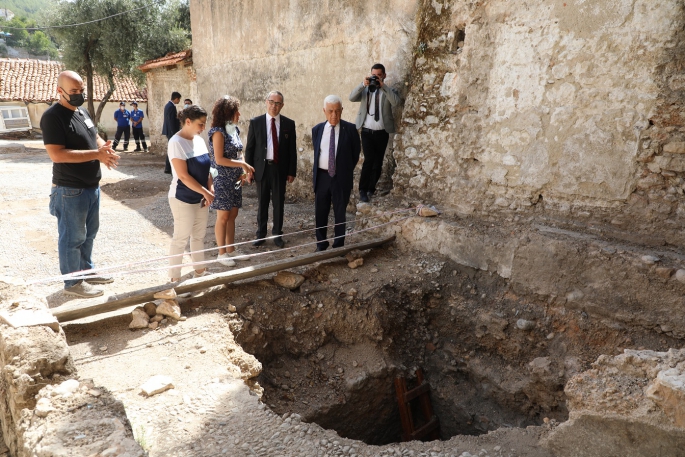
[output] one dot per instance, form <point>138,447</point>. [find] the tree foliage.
<point>26,8</point>
<point>36,42</point>
<point>120,43</point>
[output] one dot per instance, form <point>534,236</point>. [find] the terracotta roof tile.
<point>36,81</point>
<point>170,59</point>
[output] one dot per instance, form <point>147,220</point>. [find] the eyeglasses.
<point>273,103</point>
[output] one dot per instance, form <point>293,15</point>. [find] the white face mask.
<point>231,128</point>
<point>186,106</point>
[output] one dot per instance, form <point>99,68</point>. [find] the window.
<point>14,118</point>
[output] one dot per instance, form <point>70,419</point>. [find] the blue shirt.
<point>196,156</point>
<point>122,117</point>
<point>136,115</point>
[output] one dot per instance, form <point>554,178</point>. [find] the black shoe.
<point>167,171</point>
<point>370,194</point>
<point>320,249</point>
<point>137,150</point>
<point>279,242</point>
<point>363,196</point>
<point>258,242</point>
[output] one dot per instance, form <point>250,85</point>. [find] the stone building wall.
<point>306,49</point>
<point>161,82</point>
<point>574,107</point>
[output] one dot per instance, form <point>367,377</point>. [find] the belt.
<point>269,162</point>
<point>365,130</point>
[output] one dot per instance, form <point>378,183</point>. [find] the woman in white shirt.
<point>191,189</point>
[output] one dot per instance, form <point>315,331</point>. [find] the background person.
<point>137,116</point>
<point>272,150</point>
<point>226,153</point>
<point>171,123</point>
<point>376,120</point>
<point>336,153</point>
<point>187,102</point>
<point>190,191</point>
<point>76,150</point>
<point>122,116</point>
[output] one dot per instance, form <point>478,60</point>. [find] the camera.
<point>373,83</point>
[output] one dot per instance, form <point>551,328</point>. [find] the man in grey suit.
<point>272,150</point>
<point>376,121</point>
<point>171,124</point>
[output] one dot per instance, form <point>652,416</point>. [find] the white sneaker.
<point>241,256</point>
<point>225,259</point>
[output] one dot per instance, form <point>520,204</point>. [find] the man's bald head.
<point>69,76</point>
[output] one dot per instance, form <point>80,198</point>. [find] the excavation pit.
<point>332,349</point>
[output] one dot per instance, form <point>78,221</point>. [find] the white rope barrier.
<point>85,274</point>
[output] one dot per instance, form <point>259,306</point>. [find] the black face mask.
<point>75,99</point>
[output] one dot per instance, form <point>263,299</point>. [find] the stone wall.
<point>307,50</point>
<point>161,82</point>
<point>571,106</point>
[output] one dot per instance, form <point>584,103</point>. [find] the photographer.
<point>376,121</point>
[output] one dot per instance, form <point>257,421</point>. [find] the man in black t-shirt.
<point>76,150</point>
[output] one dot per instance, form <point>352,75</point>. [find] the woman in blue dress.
<point>224,137</point>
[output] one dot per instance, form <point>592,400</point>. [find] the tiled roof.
<point>170,59</point>
<point>36,81</point>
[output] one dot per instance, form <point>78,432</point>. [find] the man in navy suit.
<point>336,153</point>
<point>171,123</point>
<point>272,150</point>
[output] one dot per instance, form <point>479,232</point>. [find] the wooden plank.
<point>431,426</point>
<point>427,407</point>
<point>404,407</point>
<point>416,391</point>
<point>85,308</point>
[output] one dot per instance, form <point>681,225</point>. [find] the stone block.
<point>675,147</point>
<point>29,318</point>
<point>288,279</point>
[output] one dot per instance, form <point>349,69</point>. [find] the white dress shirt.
<point>325,142</point>
<point>370,122</point>
<point>269,139</point>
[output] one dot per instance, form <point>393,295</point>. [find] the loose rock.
<point>169,308</point>
<point>288,280</point>
<point>168,294</point>
<point>150,308</point>
<point>157,384</point>
<point>141,319</point>
<point>356,263</point>
<point>526,325</point>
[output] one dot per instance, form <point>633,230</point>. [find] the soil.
<point>329,350</point>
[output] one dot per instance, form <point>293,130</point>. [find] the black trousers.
<point>139,137</point>
<point>330,190</point>
<point>127,135</point>
<point>270,188</point>
<point>167,164</point>
<point>374,143</point>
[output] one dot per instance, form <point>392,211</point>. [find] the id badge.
<point>89,124</point>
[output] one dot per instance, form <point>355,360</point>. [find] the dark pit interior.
<point>494,356</point>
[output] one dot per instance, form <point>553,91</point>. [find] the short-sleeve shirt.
<point>136,115</point>
<point>195,153</point>
<point>73,130</point>
<point>122,117</point>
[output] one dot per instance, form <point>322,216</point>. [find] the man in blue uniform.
<point>122,117</point>
<point>137,116</point>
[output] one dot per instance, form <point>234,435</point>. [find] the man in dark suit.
<point>271,150</point>
<point>171,123</point>
<point>336,153</point>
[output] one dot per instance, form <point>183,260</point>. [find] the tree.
<point>17,28</point>
<point>39,44</point>
<point>114,45</point>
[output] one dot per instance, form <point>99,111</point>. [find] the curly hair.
<point>193,112</point>
<point>224,110</point>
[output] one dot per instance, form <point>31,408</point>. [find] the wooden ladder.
<point>429,426</point>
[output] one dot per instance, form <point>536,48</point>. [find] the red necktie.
<point>274,138</point>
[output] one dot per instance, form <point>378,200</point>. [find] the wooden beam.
<point>85,308</point>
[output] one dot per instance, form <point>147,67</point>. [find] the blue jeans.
<point>78,221</point>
